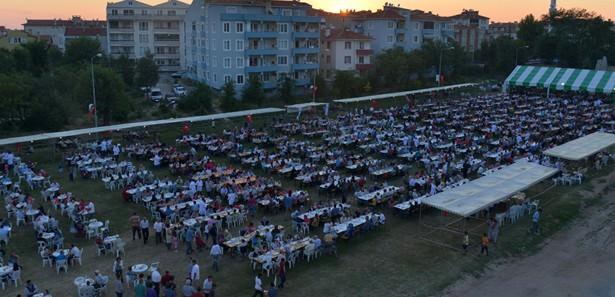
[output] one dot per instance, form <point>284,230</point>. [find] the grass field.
<point>392,261</point>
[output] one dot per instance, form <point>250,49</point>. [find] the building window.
<point>347,60</point>
<point>390,25</point>
<point>361,45</point>
<point>231,10</point>
<point>171,13</point>
<point>328,59</point>
<point>143,38</point>
<point>347,45</point>
<point>361,60</point>
<point>213,27</point>
<point>416,39</point>
<point>240,79</point>
<point>239,62</point>
<point>143,26</point>
<point>283,43</point>
<point>114,12</point>
<point>282,60</point>
<point>227,63</point>
<point>227,79</point>
<point>390,38</point>
<point>239,45</point>
<point>213,44</point>
<point>214,62</point>
<point>239,27</point>
<point>226,45</point>
<point>144,12</point>
<point>287,12</point>
<point>283,28</point>
<point>226,27</point>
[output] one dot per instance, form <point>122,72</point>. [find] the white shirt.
<point>258,284</point>
<point>195,273</point>
<point>216,250</point>
<point>156,276</point>
<point>158,227</point>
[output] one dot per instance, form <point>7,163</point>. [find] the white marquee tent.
<point>469,198</point>
<point>583,147</point>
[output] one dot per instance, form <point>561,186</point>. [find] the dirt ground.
<point>578,261</point>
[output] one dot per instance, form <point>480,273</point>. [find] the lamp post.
<point>440,64</point>
<point>99,55</point>
<point>517,53</point>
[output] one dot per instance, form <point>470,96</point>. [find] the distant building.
<point>470,29</point>
<point>344,50</point>
<point>427,26</point>
<point>9,39</point>
<point>503,29</point>
<point>99,34</point>
<point>136,29</point>
<point>54,30</point>
<point>233,40</point>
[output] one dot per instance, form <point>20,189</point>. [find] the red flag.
<point>374,104</point>
<point>91,109</point>
<point>249,119</point>
<point>186,128</point>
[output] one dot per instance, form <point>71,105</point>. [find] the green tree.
<point>198,101</point>
<point>14,97</point>
<point>111,99</point>
<point>126,68</point>
<point>34,58</point>
<point>530,31</point>
<point>228,100</point>
<point>253,94</point>
<point>81,50</point>
<point>286,90</point>
<point>347,84</point>
<point>146,72</point>
<point>323,88</point>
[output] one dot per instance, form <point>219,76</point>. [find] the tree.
<point>322,90</point>
<point>286,90</point>
<point>530,31</point>
<point>253,93</point>
<point>126,68</point>
<point>33,58</point>
<point>146,72</point>
<point>81,50</point>
<point>111,99</point>
<point>347,84</point>
<point>228,102</point>
<point>198,101</point>
<point>14,97</point>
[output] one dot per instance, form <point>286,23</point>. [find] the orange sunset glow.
<point>14,13</point>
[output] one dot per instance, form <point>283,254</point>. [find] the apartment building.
<point>471,29</point>
<point>233,40</point>
<point>503,29</point>
<point>344,50</point>
<point>9,39</point>
<point>55,30</point>
<point>136,29</point>
<point>429,27</point>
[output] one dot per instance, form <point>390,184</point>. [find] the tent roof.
<point>566,79</point>
<point>583,147</point>
<point>401,94</point>
<point>70,133</point>
<point>302,106</point>
<point>486,191</point>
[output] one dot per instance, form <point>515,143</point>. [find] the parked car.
<point>156,95</point>
<point>179,90</point>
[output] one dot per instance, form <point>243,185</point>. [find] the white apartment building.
<point>136,29</point>
<point>344,50</point>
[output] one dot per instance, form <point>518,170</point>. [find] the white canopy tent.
<point>469,198</point>
<point>71,133</point>
<point>402,94</point>
<point>303,106</point>
<point>583,147</point>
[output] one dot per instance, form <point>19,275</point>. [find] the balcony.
<point>305,66</point>
<point>302,82</point>
<point>266,68</point>
<point>308,34</point>
<point>365,52</point>
<point>262,34</point>
<point>263,51</point>
<point>306,50</point>
<point>269,85</point>
<point>400,30</point>
<point>363,67</point>
<point>268,18</point>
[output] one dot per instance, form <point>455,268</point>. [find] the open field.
<point>392,261</point>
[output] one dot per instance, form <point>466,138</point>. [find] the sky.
<point>14,13</point>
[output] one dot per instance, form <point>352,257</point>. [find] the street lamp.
<point>99,55</point>
<point>440,65</point>
<point>517,53</point>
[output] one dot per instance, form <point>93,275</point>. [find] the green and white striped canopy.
<point>565,79</point>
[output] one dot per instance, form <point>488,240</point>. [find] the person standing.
<point>156,279</point>
<point>216,252</point>
<point>195,272</point>
<point>118,267</point>
<point>258,286</point>
<point>140,288</point>
<point>536,220</point>
<point>282,273</point>
<point>144,224</point>
<point>273,291</point>
<point>208,286</point>
<point>158,227</point>
<point>188,289</point>
<point>484,244</point>
<point>119,286</point>
<point>168,236</point>
<point>134,225</point>
<point>189,237</point>
<point>466,242</point>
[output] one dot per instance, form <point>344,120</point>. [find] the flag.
<point>249,119</point>
<point>374,104</point>
<point>91,109</point>
<point>186,128</point>
<point>327,109</point>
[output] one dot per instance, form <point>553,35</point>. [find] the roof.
<point>420,15</point>
<point>274,3</point>
<point>564,79</point>
<point>343,34</point>
<point>401,94</point>
<point>71,133</point>
<point>75,21</point>
<point>378,15</point>
<point>73,31</point>
<point>172,4</point>
<point>124,3</point>
<point>583,147</point>
<point>469,13</point>
<point>474,196</point>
